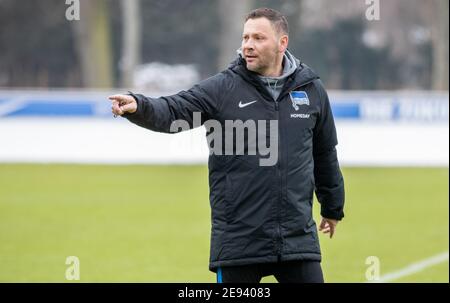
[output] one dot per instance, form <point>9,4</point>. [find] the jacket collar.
<point>302,76</point>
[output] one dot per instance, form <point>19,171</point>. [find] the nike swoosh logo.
<point>242,105</point>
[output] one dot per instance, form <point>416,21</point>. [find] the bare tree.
<point>131,42</point>
<point>440,33</point>
<point>92,34</point>
<point>232,13</point>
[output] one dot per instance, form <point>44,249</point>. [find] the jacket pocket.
<point>248,196</point>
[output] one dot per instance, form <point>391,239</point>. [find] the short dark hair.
<point>277,19</point>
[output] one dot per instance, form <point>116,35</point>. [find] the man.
<point>261,214</point>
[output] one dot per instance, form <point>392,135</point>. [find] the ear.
<point>283,43</point>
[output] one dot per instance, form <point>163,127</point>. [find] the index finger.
<point>117,97</point>
<point>332,230</point>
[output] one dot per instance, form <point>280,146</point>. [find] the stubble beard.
<point>265,64</point>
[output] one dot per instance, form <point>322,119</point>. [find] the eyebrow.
<point>257,33</point>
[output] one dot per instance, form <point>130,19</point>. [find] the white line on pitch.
<point>414,268</point>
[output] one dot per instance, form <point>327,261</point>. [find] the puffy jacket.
<point>261,214</point>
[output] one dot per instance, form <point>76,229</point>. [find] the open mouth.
<point>250,58</point>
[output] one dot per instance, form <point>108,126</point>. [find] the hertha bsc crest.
<point>299,98</point>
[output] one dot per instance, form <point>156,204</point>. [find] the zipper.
<point>280,196</point>
<point>280,177</point>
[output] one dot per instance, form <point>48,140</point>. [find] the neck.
<point>277,69</point>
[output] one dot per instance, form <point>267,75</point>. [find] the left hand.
<point>328,226</point>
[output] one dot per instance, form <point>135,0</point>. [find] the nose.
<point>247,45</point>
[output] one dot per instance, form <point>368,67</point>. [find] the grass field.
<point>152,223</point>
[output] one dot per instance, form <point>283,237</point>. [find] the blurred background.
<point>406,49</point>
<point>133,204</point>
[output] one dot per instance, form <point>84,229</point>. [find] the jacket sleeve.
<point>158,114</point>
<point>329,183</point>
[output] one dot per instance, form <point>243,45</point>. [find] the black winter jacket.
<point>262,214</point>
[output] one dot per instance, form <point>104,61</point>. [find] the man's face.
<point>260,45</point>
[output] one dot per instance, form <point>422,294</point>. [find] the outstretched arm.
<point>158,114</point>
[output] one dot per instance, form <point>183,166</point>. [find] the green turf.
<point>152,223</point>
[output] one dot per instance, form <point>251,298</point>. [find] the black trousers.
<point>284,272</point>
